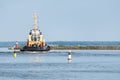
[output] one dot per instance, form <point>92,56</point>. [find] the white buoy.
<point>69,56</point>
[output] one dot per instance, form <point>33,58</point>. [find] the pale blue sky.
<point>61,20</point>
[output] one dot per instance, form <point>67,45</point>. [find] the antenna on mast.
<point>35,21</point>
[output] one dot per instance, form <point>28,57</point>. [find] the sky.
<point>61,20</point>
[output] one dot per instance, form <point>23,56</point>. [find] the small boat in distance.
<point>35,40</point>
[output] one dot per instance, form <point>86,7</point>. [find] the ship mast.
<point>35,37</point>
<point>35,21</point>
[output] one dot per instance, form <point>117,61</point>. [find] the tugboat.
<point>35,40</point>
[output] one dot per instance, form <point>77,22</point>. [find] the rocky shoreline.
<point>85,48</point>
<point>78,48</point>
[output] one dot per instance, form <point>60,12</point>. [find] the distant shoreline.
<point>78,48</point>
<point>85,48</point>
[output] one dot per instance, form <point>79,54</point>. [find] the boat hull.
<point>26,48</point>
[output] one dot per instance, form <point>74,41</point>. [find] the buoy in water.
<point>69,56</point>
<point>14,55</point>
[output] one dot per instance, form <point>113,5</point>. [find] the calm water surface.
<point>53,65</point>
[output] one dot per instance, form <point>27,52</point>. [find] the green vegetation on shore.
<point>86,47</point>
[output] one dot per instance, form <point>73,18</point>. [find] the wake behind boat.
<point>35,39</point>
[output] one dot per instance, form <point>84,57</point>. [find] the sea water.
<point>53,65</point>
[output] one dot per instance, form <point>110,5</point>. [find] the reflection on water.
<point>69,61</point>
<point>35,58</point>
<point>53,65</point>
